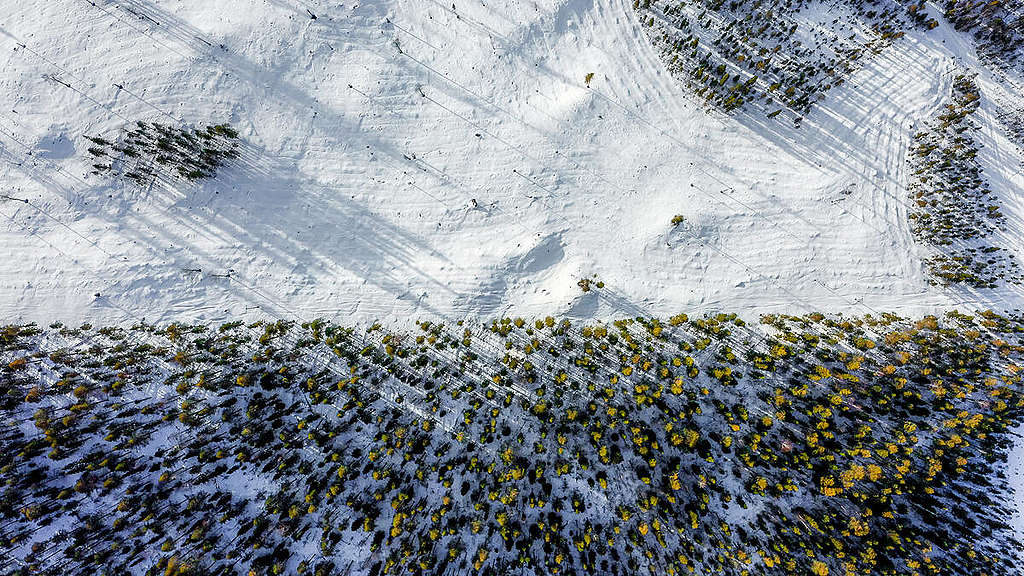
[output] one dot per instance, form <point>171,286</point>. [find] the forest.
<point>955,212</point>
<point>778,57</point>
<point>794,445</point>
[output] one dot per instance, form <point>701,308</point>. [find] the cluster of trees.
<point>997,25</point>
<point>813,444</point>
<point>1013,122</point>
<point>955,211</point>
<point>153,150</point>
<point>735,53</point>
<point>983,267</point>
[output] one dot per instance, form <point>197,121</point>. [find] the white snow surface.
<point>369,132</point>
<point>406,160</point>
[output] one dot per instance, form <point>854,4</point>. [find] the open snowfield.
<point>404,159</point>
<point>370,131</point>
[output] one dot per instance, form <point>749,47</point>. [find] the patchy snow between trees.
<point>404,159</point>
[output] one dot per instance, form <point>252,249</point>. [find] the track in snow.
<point>372,130</point>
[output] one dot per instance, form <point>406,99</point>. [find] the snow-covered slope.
<point>407,158</point>
<point>416,158</point>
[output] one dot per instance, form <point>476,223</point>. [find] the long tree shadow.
<point>317,230</point>
<point>835,134</point>
<point>257,215</point>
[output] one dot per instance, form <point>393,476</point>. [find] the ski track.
<point>359,199</point>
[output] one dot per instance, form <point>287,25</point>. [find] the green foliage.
<point>152,150</point>
<point>804,444</point>
<point>765,54</point>
<point>996,25</point>
<point>954,213</point>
